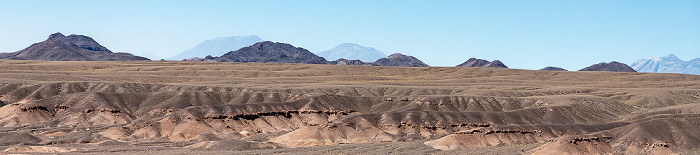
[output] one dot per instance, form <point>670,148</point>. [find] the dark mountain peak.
<point>273,45</point>
<point>57,35</point>
<point>496,64</point>
<point>79,41</point>
<point>550,68</point>
<point>398,59</point>
<point>85,42</point>
<point>69,48</point>
<point>474,62</point>
<point>612,67</point>
<point>268,51</point>
<point>53,42</point>
<point>209,57</point>
<point>269,47</point>
<point>398,56</point>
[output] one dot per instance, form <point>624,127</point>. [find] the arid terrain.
<point>162,107</point>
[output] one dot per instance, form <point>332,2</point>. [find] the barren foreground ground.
<point>143,107</point>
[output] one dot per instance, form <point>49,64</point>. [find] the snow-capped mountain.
<point>667,64</point>
<point>218,46</point>
<point>352,51</point>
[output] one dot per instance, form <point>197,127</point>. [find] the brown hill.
<point>474,62</point>
<point>275,52</point>
<point>342,61</point>
<point>69,48</point>
<point>265,108</point>
<point>550,68</point>
<point>612,67</point>
<point>398,59</point>
<point>80,41</point>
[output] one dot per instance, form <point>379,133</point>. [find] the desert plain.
<point>170,107</point>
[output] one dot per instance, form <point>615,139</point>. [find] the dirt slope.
<point>210,107</point>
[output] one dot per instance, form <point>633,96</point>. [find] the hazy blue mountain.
<point>667,64</point>
<point>218,46</point>
<point>352,51</point>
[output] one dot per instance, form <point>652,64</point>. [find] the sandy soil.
<point>154,107</point>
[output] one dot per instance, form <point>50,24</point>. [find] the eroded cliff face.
<point>204,106</point>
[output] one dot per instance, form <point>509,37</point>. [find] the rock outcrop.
<point>274,52</point>
<point>398,59</point>
<point>81,41</point>
<point>611,67</point>
<point>474,62</point>
<point>349,62</point>
<point>550,68</point>
<point>69,48</point>
<point>207,58</point>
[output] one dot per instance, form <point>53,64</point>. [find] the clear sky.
<point>523,34</point>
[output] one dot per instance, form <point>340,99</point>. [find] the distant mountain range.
<point>59,47</point>
<point>217,46</point>
<point>275,52</point>
<point>69,48</point>
<point>354,54</point>
<point>667,64</point>
<point>352,51</point>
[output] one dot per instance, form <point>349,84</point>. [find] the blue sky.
<point>523,34</point>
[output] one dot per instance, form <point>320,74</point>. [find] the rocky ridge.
<point>398,59</point>
<point>349,62</point>
<point>611,67</point>
<point>273,52</point>
<point>69,48</point>
<point>474,62</point>
<point>550,68</point>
